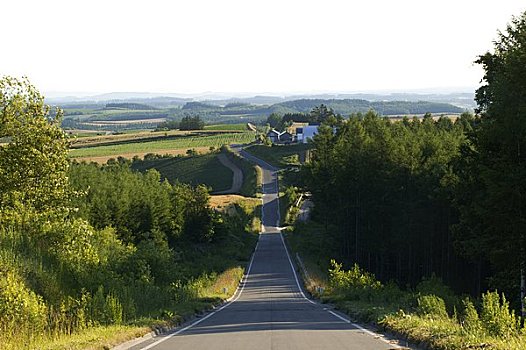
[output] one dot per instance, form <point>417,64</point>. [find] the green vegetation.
<point>227,127</point>
<point>129,105</point>
<point>430,313</point>
<point>167,125</point>
<point>191,123</point>
<point>133,115</point>
<point>347,107</point>
<point>319,114</point>
<point>88,249</point>
<point>413,201</point>
<point>158,146</point>
<point>280,155</point>
<point>251,173</point>
<point>197,169</point>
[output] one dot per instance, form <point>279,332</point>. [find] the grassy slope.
<point>159,146</point>
<point>202,169</point>
<point>227,258</point>
<point>279,155</point>
<point>251,173</point>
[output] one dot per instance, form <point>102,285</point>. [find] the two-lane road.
<point>270,310</point>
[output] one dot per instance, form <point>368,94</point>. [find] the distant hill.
<point>347,106</point>
<point>129,105</point>
<point>463,99</point>
<point>147,113</point>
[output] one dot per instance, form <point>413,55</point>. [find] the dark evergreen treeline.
<point>382,190</point>
<point>414,198</point>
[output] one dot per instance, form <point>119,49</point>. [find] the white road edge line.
<point>213,312</point>
<point>378,336</point>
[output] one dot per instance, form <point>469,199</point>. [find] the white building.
<point>306,133</point>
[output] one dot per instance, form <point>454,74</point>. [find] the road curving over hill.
<point>270,310</point>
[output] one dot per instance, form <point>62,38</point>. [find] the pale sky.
<point>249,45</point>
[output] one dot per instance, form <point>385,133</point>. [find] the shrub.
<point>432,306</point>
<point>354,283</point>
<point>20,308</point>
<point>105,309</point>
<point>435,286</point>
<point>470,320</point>
<point>496,317</point>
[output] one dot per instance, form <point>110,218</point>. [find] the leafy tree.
<point>34,160</point>
<point>497,169</point>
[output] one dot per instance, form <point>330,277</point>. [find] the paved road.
<point>270,311</point>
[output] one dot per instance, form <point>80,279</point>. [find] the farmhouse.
<point>273,136</point>
<point>306,133</point>
<point>296,133</point>
<point>286,137</point>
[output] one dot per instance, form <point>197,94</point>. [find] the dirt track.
<point>237,179</point>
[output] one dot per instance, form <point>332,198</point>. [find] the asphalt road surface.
<point>270,310</point>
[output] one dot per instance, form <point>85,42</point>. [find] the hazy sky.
<point>249,45</point>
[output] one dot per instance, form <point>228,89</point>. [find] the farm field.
<point>227,127</point>
<point>161,146</point>
<point>280,155</point>
<point>140,155</point>
<point>96,140</point>
<point>200,169</point>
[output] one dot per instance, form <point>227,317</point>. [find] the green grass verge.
<point>430,314</point>
<point>154,146</point>
<point>220,287</point>
<point>280,156</point>
<point>200,169</point>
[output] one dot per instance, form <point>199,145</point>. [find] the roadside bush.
<point>20,308</point>
<point>105,309</point>
<point>470,320</point>
<point>431,306</point>
<point>355,283</point>
<point>435,286</point>
<point>497,319</point>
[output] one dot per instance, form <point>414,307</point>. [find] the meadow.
<point>280,156</point>
<point>197,169</point>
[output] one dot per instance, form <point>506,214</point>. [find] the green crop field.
<point>202,169</point>
<point>163,145</point>
<point>237,127</point>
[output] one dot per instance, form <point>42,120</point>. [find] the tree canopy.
<point>34,158</point>
<point>191,123</point>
